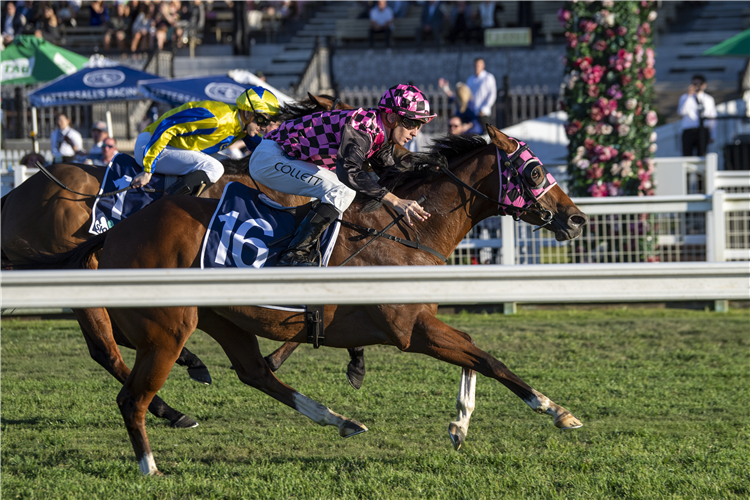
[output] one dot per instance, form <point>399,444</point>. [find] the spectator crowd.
<point>134,25</point>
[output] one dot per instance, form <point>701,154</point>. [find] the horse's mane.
<point>415,169</point>
<point>293,110</point>
<point>236,166</point>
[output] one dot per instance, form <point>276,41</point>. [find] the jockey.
<point>321,155</point>
<point>181,141</point>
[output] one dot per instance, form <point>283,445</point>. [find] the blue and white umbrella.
<point>92,85</point>
<point>178,91</point>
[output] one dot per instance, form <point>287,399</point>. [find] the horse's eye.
<point>536,176</point>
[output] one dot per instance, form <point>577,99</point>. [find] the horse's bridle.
<point>517,167</point>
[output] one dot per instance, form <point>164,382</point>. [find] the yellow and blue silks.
<point>205,126</point>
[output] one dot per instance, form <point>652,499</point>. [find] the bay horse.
<point>459,194</point>
<point>40,216</point>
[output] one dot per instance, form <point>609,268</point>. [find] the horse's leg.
<point>355,371</point>
<point>458,429</point>
<point>277,357</point>
<point>433,337</point>
<point>159,335</point>
<point>98,331</point>
<point>242,349</point>
<point>196,369</point>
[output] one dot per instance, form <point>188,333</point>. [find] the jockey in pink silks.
<point>321,156</point>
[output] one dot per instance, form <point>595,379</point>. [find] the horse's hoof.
<point>355,377</point>
<point>351,428</point>
<point>457,436</point>
<point>567,421</point>
<point>184,422</point>
<point>200,375</point>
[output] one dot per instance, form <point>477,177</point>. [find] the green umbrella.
<point>738,46</point>
<point>31,60</point>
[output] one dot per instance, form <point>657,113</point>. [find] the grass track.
<point>663,395</point>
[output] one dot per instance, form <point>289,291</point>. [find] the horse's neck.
<point>453,209</point>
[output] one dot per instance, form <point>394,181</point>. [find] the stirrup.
<point>193,184</point>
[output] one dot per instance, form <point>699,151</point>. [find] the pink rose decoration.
<point>622,30</point>
<point>651,118</point>
<point>598,191</point>
<point>600,45</point>
<point>563,16</point>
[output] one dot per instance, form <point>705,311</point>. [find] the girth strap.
<point>380,234</point>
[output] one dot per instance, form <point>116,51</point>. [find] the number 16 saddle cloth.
<point>249,229</point>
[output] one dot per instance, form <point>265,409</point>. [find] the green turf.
<point>664,396</point>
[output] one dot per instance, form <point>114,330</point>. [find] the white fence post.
<point>712,166</point>
<point>19,174</point>
<point>715,228</point>
<point>508,253</point>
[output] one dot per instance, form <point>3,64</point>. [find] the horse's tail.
<point>80,257</point>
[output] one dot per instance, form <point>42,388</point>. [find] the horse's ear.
<point>314,99</point>
<point>501,140</point>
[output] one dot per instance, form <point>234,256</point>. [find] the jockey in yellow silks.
<point>181,141</point>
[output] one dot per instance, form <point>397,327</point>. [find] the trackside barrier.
<point>377,285</point>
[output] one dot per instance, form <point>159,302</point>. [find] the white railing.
<point>698,227</point>
<point>376,285</point>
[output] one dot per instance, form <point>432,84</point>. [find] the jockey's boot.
<point>193,183</point>
<point>309,231</point>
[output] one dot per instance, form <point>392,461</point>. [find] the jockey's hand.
<point>409,208</point>
<point>141,180</point>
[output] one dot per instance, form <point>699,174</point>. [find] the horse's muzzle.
<point>571,227</point>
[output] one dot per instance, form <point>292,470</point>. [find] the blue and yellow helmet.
<point>259,100</point>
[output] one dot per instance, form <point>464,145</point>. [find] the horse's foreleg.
<point>434,338</point>
<point>102,338</point>
<point>242,349</point>
<point>458,429</point>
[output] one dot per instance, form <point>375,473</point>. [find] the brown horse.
<point>169,234</point>
<point>40,216</point>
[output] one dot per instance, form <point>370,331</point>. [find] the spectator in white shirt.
<point>66,141</point>
<point>381,21</point>
<point>484,89</point>
<point>697,110</point>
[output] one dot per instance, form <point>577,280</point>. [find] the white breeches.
<point>175,161</point>
<point>270,166</point>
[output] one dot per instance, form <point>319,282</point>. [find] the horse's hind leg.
<point>196,369</point>
<point>159,335</point>
<point>242,349</point>
<point>100,335</point>
<point>355,371</point>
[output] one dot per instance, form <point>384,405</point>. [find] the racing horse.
<point>41,216</point>
<point>476,180</point>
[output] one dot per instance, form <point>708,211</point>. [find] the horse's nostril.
<point>577,220</point>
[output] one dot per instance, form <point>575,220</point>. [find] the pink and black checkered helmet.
<point>407,101</point>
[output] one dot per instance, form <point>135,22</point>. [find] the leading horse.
<point>459,194</point>
<point>41,216</point>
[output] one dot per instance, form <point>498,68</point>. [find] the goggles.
<point>411,124</point>
<point>262,119</point>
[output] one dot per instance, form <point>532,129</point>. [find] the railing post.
<point>712,166</point>
<point>716,228</point>
<point>508,254</point>
<point>19,174</point>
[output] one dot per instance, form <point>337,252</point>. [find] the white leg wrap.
<point>147,464</point>
<point>316,411</point>
<point>466,398</point>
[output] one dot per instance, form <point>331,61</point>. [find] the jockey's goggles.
<point>411,124</point>
<point>262,119</point>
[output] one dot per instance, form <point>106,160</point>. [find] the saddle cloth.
<point>110,210</point>
<point>248,229</point>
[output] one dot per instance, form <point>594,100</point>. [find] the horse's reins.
<point>57,181</point>
<point>378,234</point>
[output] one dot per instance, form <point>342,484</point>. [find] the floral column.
<point>608,89</point>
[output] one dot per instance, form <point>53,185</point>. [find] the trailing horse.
<point>479,180</point>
